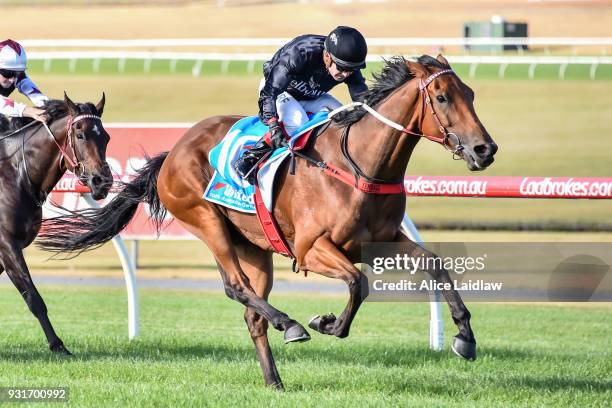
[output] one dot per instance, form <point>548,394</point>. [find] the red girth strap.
<point>271,230</point>
<point>361,184</point>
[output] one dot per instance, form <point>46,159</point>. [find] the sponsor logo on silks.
<point>282,98</point>
<point>313,84</point>
<point>305,89</point>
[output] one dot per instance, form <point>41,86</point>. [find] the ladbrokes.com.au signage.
<point>501,186</point>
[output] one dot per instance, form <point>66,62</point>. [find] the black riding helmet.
<point>347,48</point>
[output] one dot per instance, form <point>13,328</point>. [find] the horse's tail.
<point>89,228</point>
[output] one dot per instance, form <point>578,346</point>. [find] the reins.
<point>67,145</point>
<point>74,163</point>
<point>69,142</point>
<point>372,185</point>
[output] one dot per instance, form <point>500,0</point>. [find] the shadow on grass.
<point>408,358</point>
<point>145,351</point>
<point>395,355</point>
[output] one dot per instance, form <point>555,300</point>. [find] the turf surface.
<point>188,355</point>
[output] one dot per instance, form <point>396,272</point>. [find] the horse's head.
<point>451,112</point>
<point>89,139</point>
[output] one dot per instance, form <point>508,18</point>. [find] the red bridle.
<point>74,163</point>
<point>446,138</point>
<point>375,186</point>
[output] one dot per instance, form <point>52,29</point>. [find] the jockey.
<point>12,75</point>
<point>297,79</point>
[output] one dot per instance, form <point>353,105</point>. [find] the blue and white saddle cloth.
<point>227,188</point>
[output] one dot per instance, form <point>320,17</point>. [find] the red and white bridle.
<point>444,140</point>
<point>74,163</point>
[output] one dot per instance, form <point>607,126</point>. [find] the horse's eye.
<point>441,98</point>
<point>80,135</point>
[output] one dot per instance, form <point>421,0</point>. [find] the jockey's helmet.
<point>347,47</point>
<point>12,56</point>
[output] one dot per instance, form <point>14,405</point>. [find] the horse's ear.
<point>72,108</point>
<point>417,69</point>
<point>100,105</point>
<point>443,60</point>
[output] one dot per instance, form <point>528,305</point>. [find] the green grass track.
<point>187,355</point>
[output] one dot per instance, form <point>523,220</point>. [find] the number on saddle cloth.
<point>228,188</point>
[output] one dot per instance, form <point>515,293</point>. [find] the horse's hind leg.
<point>257,265</point>
<point>11,257</point>
<point>464,343</point>
<point>326,259</point>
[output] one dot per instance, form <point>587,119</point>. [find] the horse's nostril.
<point>493,148</point>
<point>481,150</point>
<point>485,150</point>
<point>96,180</point>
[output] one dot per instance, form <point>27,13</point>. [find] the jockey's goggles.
<point>8,74</point>
<point>344,69</point>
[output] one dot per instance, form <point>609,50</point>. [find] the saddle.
<point>229,189</point>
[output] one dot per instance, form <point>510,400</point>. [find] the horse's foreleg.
<point>326,259</point>
<point>464,343</point>
<point>11,257</point>
<point>257,265</point>
<point>208,225</point>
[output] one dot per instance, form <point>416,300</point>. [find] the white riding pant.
<point>293,112</point>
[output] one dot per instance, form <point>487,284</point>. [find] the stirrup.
<point>251,175</point>
<point>248,176</point>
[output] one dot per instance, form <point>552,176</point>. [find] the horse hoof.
<point>61,350</point>
<point>464,348</point>
<point>319,323</point>
<point>296,334</point>
<point>277,386</point>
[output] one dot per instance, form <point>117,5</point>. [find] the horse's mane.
<point>394,74</point>
<point>55,109</point>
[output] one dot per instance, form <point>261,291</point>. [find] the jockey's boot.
<point>246,165</point>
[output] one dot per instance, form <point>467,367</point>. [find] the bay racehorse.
<point>33,157</point>
<point>324,220</point>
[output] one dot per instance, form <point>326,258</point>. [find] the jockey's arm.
<point>277,82</point>
<point>29,89</point>
<point>9,107</point>
<point>357,86</point>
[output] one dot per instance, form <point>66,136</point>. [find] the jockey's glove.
<point>276,134</point>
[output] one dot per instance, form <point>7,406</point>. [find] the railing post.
<point>436,326</point>
<point>129,274</point>
<point>134,254</point>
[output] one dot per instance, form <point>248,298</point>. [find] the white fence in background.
<point>198,59</point>
<point>267,42</point>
